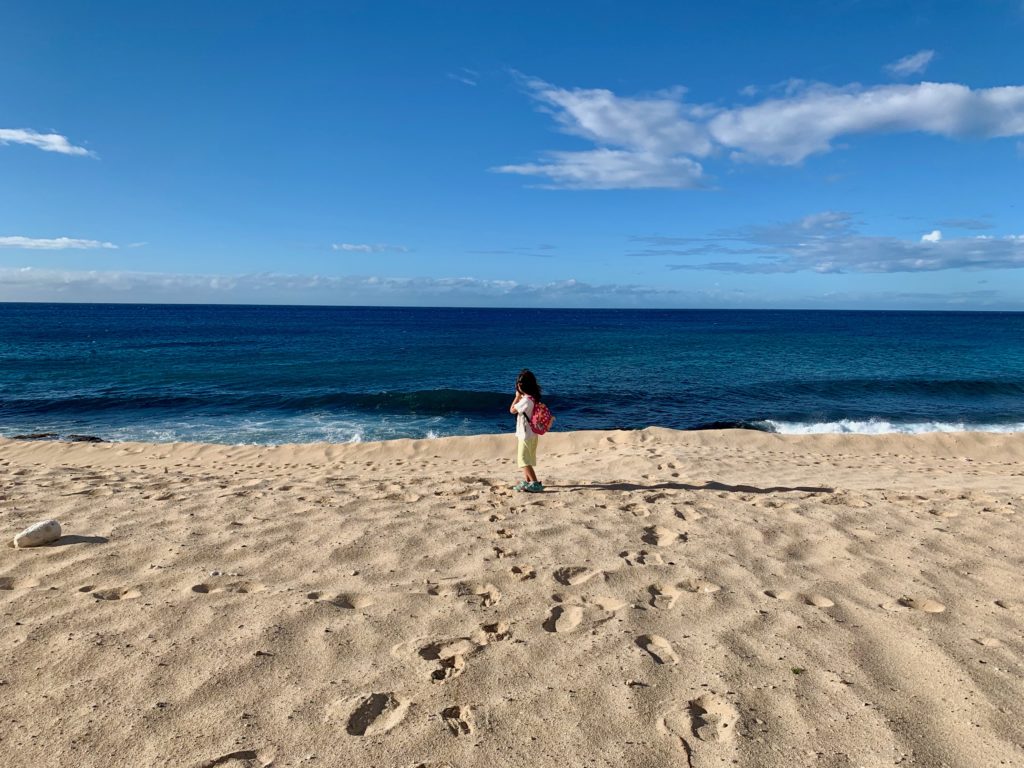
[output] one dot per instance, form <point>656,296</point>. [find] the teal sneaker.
<point>534,487</point>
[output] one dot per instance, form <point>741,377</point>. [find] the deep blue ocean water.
<point>259,374</point>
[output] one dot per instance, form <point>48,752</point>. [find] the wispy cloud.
<point>544,248</point>
<point>830,242</point>
<point>967,223</point>
<point>465,76</point>
<point>652,136</point>
<point>914,64</point>
<point>52,243</point>
<point>369,248</point>
<point>48,142</point>
<point>660,140</point>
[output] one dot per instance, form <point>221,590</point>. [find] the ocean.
<point>272,374</point>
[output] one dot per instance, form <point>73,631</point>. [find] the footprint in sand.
<point>678,724</point>
<point>643,557</point>
<point>494,632</point>
<point>564,618</point>
<point>714,718</point>
<point>373,714</point>
<point>487,593</point>
<point>812,598</point>
<point>459,720</point>
<point>659,648</point>
<point>660,536</point>
<point>927,605</point>
<point>573,575</point>
<point>988,642</point>
<point>700,587</point>
<point>636,511</point>
<point>116,593</point>
<point>237,587</point>
<point>709,718</point>
<point>524,572</point>
<point>606,603</point>
<point>663,596</point>
<point>818,600</point>
<point>348,601</point>
<point>12,583</point>
<point>450,656</point>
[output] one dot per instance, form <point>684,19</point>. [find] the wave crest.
<point>881,427</point>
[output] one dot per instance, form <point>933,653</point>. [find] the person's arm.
<point>512,408</point>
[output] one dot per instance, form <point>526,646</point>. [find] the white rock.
<point>38,534</point>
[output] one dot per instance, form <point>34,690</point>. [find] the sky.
<point>836,155</point>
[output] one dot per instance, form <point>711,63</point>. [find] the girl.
<point>527,394</point>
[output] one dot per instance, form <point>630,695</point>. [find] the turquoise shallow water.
<point>297,374</point>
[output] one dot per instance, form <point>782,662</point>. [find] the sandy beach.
<point>673,599</point>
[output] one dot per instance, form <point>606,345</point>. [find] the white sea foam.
<point>881,427</point>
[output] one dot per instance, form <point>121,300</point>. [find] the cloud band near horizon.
<point>49,285</point>
<point>829,242</point>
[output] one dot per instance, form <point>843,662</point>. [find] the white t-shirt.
<point>525,409</point>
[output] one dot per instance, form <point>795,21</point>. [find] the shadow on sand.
<point>709,486</point>
<point>65,541</point>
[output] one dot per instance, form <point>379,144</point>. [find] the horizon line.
<point>531,308</point>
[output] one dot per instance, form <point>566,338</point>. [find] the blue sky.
<point>795,154</point>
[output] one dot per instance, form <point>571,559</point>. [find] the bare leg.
<point>529,474</point>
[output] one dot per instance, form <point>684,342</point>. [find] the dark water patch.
<point>922,387</point>
<point>70,438</point>
<point>751,425</point>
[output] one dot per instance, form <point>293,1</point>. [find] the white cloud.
<point>369,248</point>
<point>611,169</point>
<point>48,142</point>
<point>830,243</point>
<point>914,64</point>
<point>658,140</point>
<point>788,130</point>
<point>653,135</point>
<point>51,244</point>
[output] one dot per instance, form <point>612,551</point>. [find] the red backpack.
<point>541,418</point>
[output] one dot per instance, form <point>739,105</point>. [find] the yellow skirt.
<point>526,454</point>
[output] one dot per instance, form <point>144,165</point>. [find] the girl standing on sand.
<point>527,397</point>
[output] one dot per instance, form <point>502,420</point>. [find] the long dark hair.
<point>526,383</point>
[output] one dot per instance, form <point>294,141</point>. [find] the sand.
<point>673,599</point>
